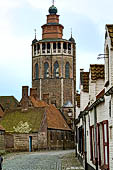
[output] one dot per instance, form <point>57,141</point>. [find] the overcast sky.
<point>19,18</point>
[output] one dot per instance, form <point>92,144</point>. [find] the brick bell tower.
<point>54,65</point>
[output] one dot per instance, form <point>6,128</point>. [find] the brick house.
<point>36,125</point>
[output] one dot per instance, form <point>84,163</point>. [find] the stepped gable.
<point>97,71</point>
<point>54,119</point>
<point>84,78</point>
<point>109,27</point>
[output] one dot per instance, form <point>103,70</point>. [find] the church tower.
<point>54,65</point>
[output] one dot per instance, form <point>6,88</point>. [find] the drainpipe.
<point>95,133</point>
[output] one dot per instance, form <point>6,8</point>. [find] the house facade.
<point>95,121</point>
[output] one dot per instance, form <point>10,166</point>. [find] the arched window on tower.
<point>36,71</point>
<point>56,70</point>
<point>67,70</point>
<point>46,70</point>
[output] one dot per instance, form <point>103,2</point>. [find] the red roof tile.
<point>54,119</point>
<point>38,103</point>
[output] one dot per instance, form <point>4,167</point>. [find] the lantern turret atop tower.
<point>52,29</point>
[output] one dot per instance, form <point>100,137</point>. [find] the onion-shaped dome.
<point>52,10</point>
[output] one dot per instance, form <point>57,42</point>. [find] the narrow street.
<point>53,160</point>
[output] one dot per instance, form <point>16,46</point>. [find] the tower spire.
<point>53,1</point>
<point>71,32</point>
<point>35,33</point>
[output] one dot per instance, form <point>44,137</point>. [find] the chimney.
<point>25,98</point>
<point>25,91</point>
<point>81,70</point>
<point>33,92</point>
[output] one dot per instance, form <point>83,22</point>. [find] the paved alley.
<point>53,160</point>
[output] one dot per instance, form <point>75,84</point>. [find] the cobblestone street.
<point>53,160</point>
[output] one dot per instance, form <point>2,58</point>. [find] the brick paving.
<point>53,160</point>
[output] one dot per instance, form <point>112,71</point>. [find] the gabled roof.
<point>84,80</point>
<point>97,71</point>
<point>9,102</point>
<point>54,119</point>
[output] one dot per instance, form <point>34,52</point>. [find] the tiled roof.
<point>38,103</point>
<point>97,71</point>
<point>84,79</point>
<point>32,116</point>
<point>54,119</point>
<point>110,30</point>
<point>9,102</point>
<point>78,99</point>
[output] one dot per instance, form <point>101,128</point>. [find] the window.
<point>48,47</point>
<point>51,135</point>
<point>67,70</point>
<point>110,108</point>
<point>54,47</point>
<point>46,70</point>
<point>34,49</point>
<point>36,71</point>
<point>38,47</point>
<point>92,154</point>
<point>102,144</point>
<point>81,139</point>
<point>43,47</point>
<point>56,70</point>
<point>105,142</point>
